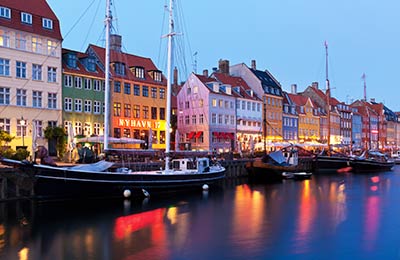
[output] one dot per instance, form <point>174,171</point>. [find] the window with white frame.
<point>96,128</point>
<point>87,129</point>
<point>220,119</point>
<point>68,104</point>
<point>78,82</point>
<point>96,85</point>
<point>214,118</point>
<point>187,120</point>
<point>21,97</point>
<point>88,84</point>
<point>78,128</point>
<point>139,72</point>
<point>4,67</point>
<point>52,100</point>
<point>20,69</point>
<point>5,125</point>
<point>47,23</point>
<point>21,128</point>
<point>4,38</point>
<point>5,12</point>
<point>68,81</point>
<point>214,102</point>
<point>162,93</point>
<point>201,119</point>
<point>51,74</point>
<point>39,127</point>
<point>78,105</point>
<point>36,98</point>
<point>4,96</point>
<point>20,41</point>
<point>36,72</point>
<point>88,106</point>
<point>157,76</point>
<point>194,119</point>
<point>36,44</point>
<point>51,48</point>
<point>96,107</point>
<point>26,18</point>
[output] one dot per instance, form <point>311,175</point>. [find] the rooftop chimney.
<point>223,66</point>
<point>253,64</point>
<point>115,42</point>
<point>372,100</point>
<point>314,85</point>
<point>205,73</point>
<point>294,89</point>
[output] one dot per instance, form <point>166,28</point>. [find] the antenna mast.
<point>107,76</point>
<point>195,63</point>
<point>365,86</point>
<point>328,98</point>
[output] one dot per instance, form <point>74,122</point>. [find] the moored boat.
<point>371,161</point>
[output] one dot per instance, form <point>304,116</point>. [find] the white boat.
<point>101,180</point>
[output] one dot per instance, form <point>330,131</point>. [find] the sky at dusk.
<point>286,37</point>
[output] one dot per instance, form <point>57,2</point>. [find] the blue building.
<point>290,119</point>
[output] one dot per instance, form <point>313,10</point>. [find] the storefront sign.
<point>139,123</point>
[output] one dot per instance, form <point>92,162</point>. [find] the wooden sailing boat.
<point>96,180</point>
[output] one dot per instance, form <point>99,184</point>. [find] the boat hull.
<point>56,183</point>
<point>263,171</point>
<point>369,166</point>
<point>330,164</point>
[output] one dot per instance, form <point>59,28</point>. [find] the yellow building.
<point>30,71</point>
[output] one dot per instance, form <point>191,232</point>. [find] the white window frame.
<point>52,100</point>
<point>68,104</point>
<point>52,74</point>
<point>37,98</point>
<point>68,82</point>
<point>5,12</point>
<point>78,105</point>
<point>36,72</point>
<point>47,23</point>
<point>87,106</point>
<point>26,18</point>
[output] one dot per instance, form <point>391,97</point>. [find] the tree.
<point>58,133</point>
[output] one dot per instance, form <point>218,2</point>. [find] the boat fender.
<point>127,193</point>
<point>205,187</point>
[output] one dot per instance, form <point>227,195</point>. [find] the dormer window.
<point>157,76</point>
<point>71,60</point>
<point>119,68</point>
<point>139,72</point>
<point>47,23</point>
<point>5,12</point>
<point>91,64</point>
<point>26,18</point>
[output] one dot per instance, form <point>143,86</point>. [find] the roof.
<point>38,9</point>
<point>130,61</point>
<point>80,69</point>
<point>269,83</point>
<point>236,82</point>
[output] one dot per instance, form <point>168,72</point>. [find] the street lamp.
<point>22,122</point>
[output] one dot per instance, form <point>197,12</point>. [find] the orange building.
<point>138,96</point>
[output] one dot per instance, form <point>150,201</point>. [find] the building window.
<point>213,118</point>
<point>68,104</point>
<point>47,23</point>
<point>187,120</point>
<point>91,64</point>
<point>96,107</point>
<point>4,38</point>
<point>127,110</point>
<point>220,119</point>
<point>145,91</point>
<point>154,92</point>
<point>136,111</point>
<point>36,98</point>
<point>117,87</point>
<point>5,124</point>
<point>127,88</point>
<point>78,105</point>
<point>52,100</point>
<point>36,45</point>
<point>21,97</point>
<point>88,106</point>
<point>162,93</point>
<point>21,69</point>
<point>78,82</point>
<point>162,113</point>
<point>68,81</point>
<point>187,104</point>
<point>117,132</point>
<point>78,128</point>
<point>145,112</point>
<point>51,47</point>
<point>139,73</point>
<point>153,113</point>
<point>5,12</point>
<point>21,128</point>
<point>71,60</point>
<point>4,96</point>
<point>88,84</point>
<point>127,132</point>
<point>26,18</point>
<point>96,128</point>
<point>201,119</point>
<point>136,90</point>
<point>117,109</point>
<point>194,119</point>
<point>119,68</point>
<point>87,129</point>
<point>4,67</point>
<point>157,76</point>
<point>51,74</point>
<point>20,41</point>
<point>39,127</point>
<point>214,102</point>
<point>36,72</point>
<point>97,85</point>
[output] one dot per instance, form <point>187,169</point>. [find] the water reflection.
<point>339,216</point>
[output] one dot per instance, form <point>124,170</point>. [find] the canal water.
<point>337,216</point>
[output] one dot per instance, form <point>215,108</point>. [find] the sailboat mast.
<point>328,98</point>
<point>107,76</point>
<point>169,87</point>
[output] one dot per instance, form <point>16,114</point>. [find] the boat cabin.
<point>199,164</point>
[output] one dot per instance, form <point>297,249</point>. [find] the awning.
<point>191,134</point>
